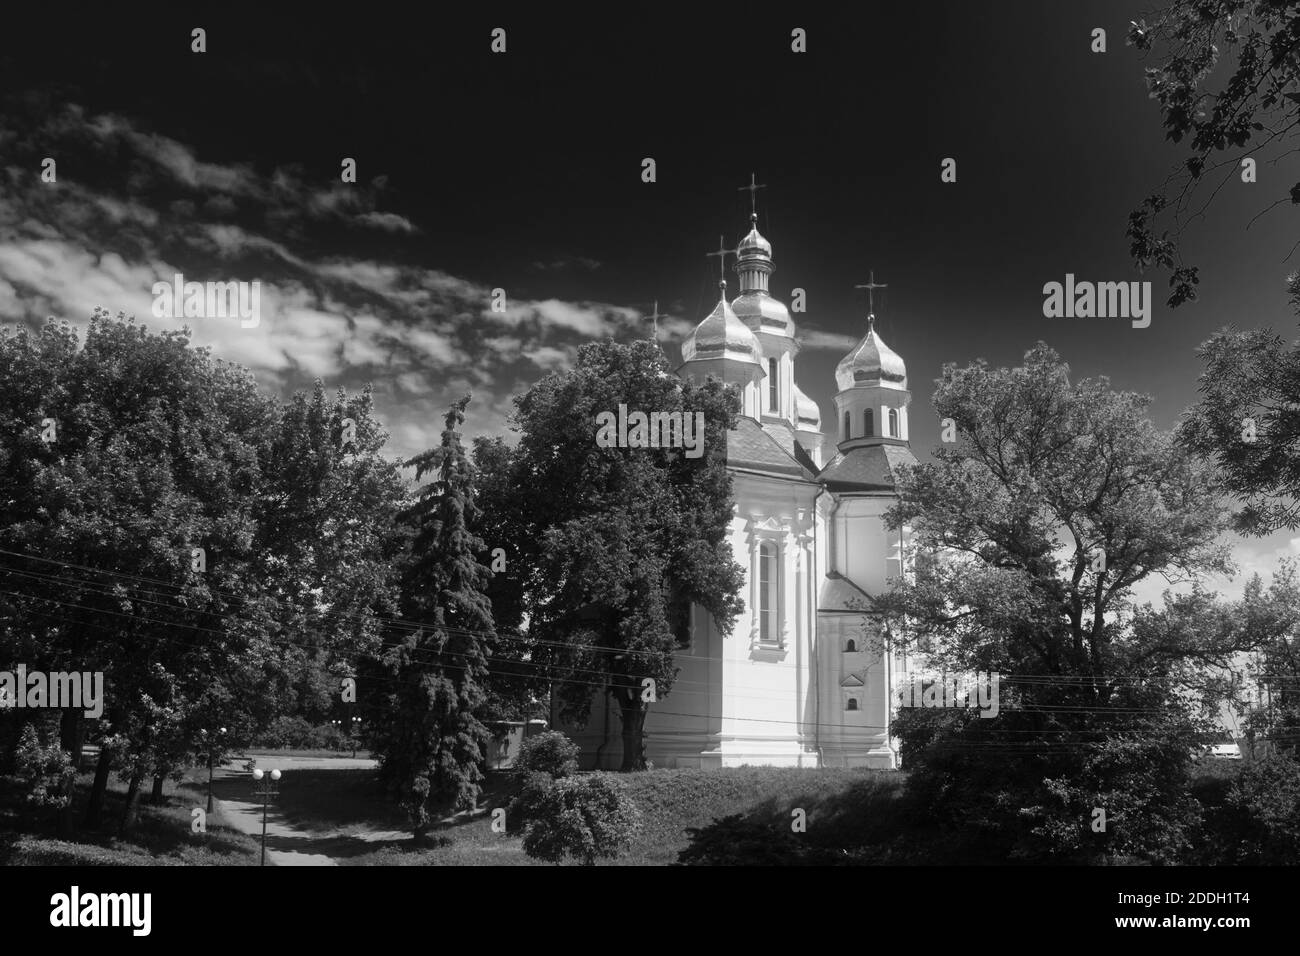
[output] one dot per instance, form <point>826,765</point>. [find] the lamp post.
<point>356,732</point>
<point>266,793</point>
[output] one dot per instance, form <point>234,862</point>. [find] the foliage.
<point>587,818</point>
<point>1261,822</point>
<point>429,740</point>
<point>1252,112</point>
<point>1247,421</point>
<point>610,568</point>
<point>1103,698</point>
<point>549,752</point>
<point>45,769</point>
<point>158,450</point>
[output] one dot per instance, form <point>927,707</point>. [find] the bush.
<point>44,768</point>
<point>583,817</point>
<point>1259,822</point>
<point>550,753</point>
<point>294,732</point>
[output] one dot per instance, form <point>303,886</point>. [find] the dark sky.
<point>522,171</point>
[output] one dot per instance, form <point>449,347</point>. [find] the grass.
<point>325,800</point>
<point>843,808</point>
<point>161,836</point>
<point>273,752</point>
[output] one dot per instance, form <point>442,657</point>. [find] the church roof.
<point>749,446</point>
<point>807,411</point>
<point>871,362</point>
<point>838,593</point>
<point>866,468</point>
<point>762,313</point>
<point>722,336</point>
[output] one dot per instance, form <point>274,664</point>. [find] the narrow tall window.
<point>848,425</point>
<point>773,393</point>
<point>868,426</point>
<point>767,580</point>
<point>893,423</point>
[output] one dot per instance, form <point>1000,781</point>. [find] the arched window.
<point>853,704</point>
<point>848,425</point>
<point>851,647</point>
<point>773,392</point>
<point>893,423</point>
<point>767,583</point>
<point>868,425</point>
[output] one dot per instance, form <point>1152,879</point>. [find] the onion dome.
<point>872,362</point>
<point>753,246</point>
<point>755,305</point>
<point>722,336</point>
<point>807,413</point>
<point>762,313</point>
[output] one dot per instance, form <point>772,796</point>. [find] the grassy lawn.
<point>324,800</point>
<point>271,753</point>
<point>161,835</point>
<point>843,808</point>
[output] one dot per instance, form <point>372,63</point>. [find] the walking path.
<point>286,843</point>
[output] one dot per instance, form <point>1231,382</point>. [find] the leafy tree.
<point>1033,529</point>
<point>514,684</point>
<point>153,453</point>
<point>429,740</point>
<point>1248,422</point>
<point>588,818</point>
<point>1253,111</point>
<point>1272,616</point>
<point>618,543</point>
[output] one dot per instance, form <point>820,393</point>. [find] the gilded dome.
<point>806,410</point>
<point>762,313</point>
<point>722,336</point>
<point>754,243</point>
<point>872,362</point>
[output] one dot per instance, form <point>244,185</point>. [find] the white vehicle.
<point>1223,751</point>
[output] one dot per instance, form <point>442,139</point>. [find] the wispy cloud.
<point>421,335</point>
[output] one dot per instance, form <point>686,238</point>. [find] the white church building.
<point>802,679</point>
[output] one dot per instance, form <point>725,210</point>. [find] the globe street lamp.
<point>266,793</point>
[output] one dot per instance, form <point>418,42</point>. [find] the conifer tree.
<point>430,743</point>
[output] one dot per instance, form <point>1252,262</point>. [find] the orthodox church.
<point>803,678</point>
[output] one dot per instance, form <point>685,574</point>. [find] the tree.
<point>430,742</point>
<point>127,455</point>
<point>1247,421</point>
<point>618,543</point>
<point>514,685</point>
<point>1031,532</point>
<point>1252,113</point>
<point>1272,615</point>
